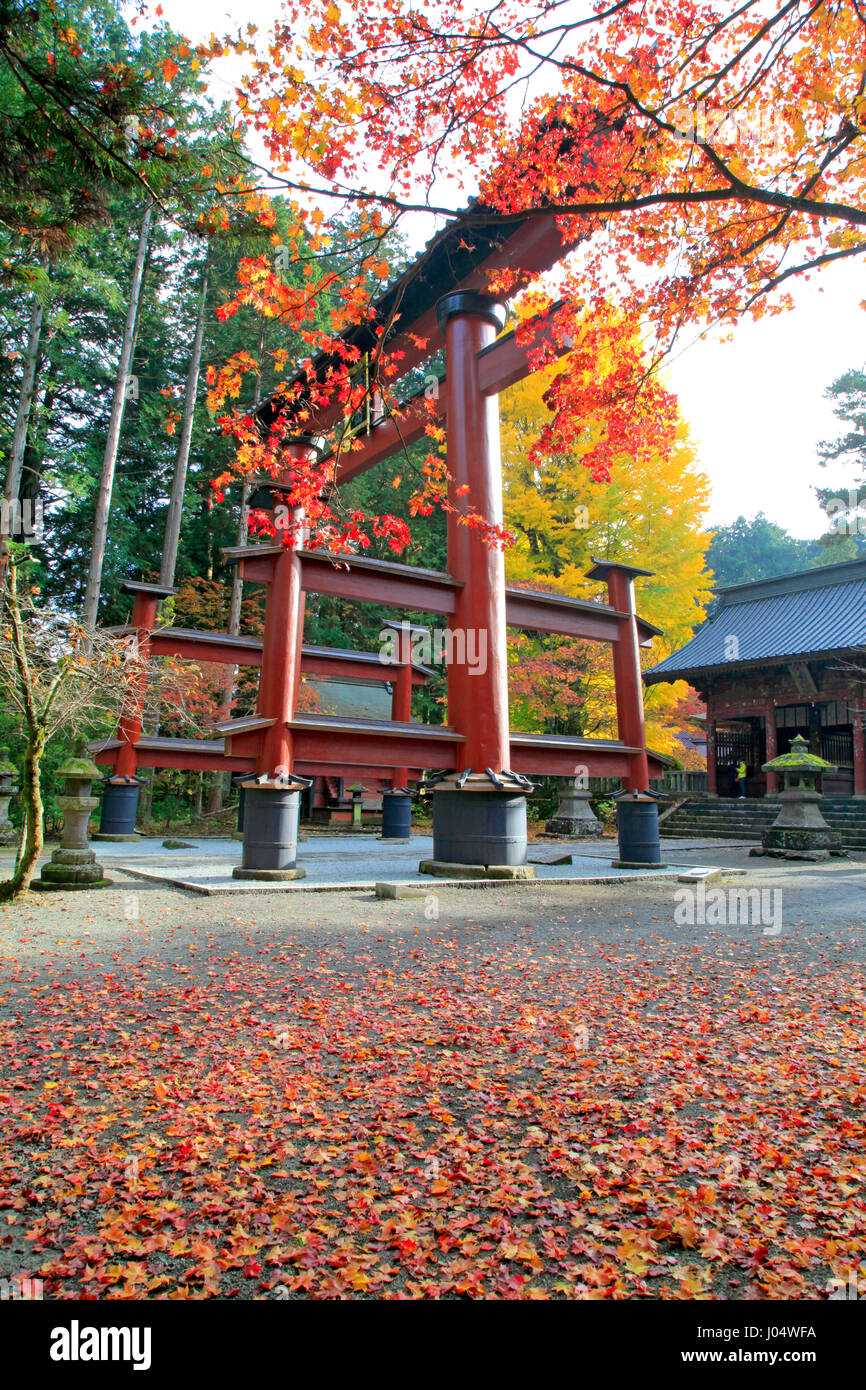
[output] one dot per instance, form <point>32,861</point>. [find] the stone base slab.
<point>815,855</point>
<point>116,839</point>
<point>503,871</point>
<point>636,864</point>
<point>569,827</point>
<point>269,875</point>
<point>44,885</point>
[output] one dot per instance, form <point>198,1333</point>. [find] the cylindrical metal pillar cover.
<point>396,815</point>
<point>479,828</point>
<point>270,828</point>
<point>119,807</point>
<point>637,828</point>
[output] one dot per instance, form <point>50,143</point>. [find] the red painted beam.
<point>195,755</point>
<point>542,755</point>
<point>567,617</point>
<point>349,747</point>
<point>193,645</point>
<point>378,581</point>
<point>507,361</point>
<point>431,591</point>
<point>391,436</point>
<point>256,562</point>
<point>320,741</point>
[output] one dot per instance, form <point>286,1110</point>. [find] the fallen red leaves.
<point>513,1123</point>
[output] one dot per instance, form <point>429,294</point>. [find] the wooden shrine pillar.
<point>401,683</point>
<point>122,787</point>
<point>478,671</point>
<point>712,748</point>
<point>637,818</point>
<point>771,748</point>
<point>859,747</point>
<point>626,666</point>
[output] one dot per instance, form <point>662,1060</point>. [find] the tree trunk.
<point>237,582</point>
<point>215,795</point>
<point>34,452</point>
<point>178,482</point>
<point>31,795</point>
<point>106,482</point>
<point>147,775</point>
<point>25,403</point>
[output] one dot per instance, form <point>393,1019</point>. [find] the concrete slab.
<point>548,856</point>
<point>709,875</point>
<point>344,862</point>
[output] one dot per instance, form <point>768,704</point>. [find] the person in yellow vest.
<point>741,778</point>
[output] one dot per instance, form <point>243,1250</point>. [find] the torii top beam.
<point>460,257</point>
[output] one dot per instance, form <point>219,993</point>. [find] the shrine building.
<point>777,658</point>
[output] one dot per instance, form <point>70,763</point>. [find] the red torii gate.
<point>479,769</point>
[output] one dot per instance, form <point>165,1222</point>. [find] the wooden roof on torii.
<point>461,257</point>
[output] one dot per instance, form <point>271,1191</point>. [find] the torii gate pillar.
<point>637,814</point>
<point>122,786</point>
<point>272,797</point>
<point>479,810</point>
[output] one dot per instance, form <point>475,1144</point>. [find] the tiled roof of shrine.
<point>792,617</point>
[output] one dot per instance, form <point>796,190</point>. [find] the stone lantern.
<point>74,864</point>
<point>799,831</point>
<point>574,815</point>
<point>8,773</point>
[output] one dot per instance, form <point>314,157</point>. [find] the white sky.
<point>756,404</point>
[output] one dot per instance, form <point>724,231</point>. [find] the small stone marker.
<point>401,890</point>
<point>699,876</point>
<point>709,875</point>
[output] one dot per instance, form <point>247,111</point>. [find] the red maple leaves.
<point>434,1120</point>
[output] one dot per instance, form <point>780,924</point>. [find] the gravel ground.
<point>145,1026</point>
<point>823,914</point>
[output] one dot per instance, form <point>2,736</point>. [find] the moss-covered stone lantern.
<point>8,773</point>
<point>799,831</point>
<point>74,864</point>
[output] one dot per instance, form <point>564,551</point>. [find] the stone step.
<point>731,819</point>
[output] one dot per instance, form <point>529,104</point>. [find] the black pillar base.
<point>637,828</point>
<point>119,809</point>
<point>479,827</point>
<point>270,832</point>
<point>396,815</point>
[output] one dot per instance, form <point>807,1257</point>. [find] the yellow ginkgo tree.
<point>651,514</point>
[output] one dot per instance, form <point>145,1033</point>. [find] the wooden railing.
<point>676,782</point>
